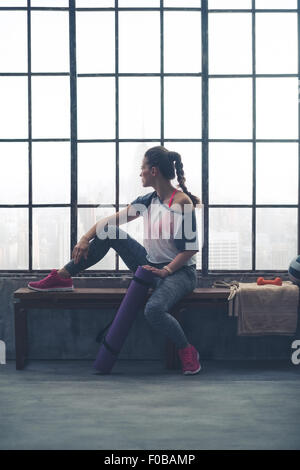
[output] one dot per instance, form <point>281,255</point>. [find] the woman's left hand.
<point>159,272</point>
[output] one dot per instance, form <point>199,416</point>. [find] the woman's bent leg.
<point>131,251</point>
<point>167,293</point>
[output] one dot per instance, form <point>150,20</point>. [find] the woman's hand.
<point>81,249</point>
<point>159,272</point>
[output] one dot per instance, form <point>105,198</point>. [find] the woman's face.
<point>146,175</point>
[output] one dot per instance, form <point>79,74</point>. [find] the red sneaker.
<point>189,357</point>
<point>53,282</point>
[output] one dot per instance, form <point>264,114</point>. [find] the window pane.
<point>14,173</point>
<point>96,107</point>
<point>139,99</point>
<point>50,52</point>
<point>139,42</point>
<point>277,108</point>
<point>182,42</point>
<point>276,238</point>
<point>96,173</point>
<point>50,107</point>
<point>86,219</point>
<point>95,3</point>
<point>230,4</point>
<point>13,40</point>
<point>14,239</point>
<point>14,108</point>
<point>230,108</point>
<point>230,38</point>
<point>51,172</point>
<point>50,237</point>
<point>276,43</point>
<point>130,161</point>
<point>228,186</point>
<point>13,3</point>
<point>182,3</point>
<point>92,29</point>
<point>230,238</point>
<point>182,102</point>
<point>49,3</point>
<point>138,3</point>
<point>277,167</point>
<point>276,4</point>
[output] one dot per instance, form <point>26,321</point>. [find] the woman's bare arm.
<point>117,218</point>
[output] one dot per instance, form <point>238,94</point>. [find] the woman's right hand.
<point>81,249</point>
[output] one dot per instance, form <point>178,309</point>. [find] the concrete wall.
<point>67,334</point>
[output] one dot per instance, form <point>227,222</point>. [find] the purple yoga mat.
<point>126,314</point>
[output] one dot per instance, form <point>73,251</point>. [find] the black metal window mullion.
<point>117,201</point>
<point>162,107</point>
<point>205,148</point>
<point>254,138</point>
<point>298,212</point>
<point>29,136</point>
<point>73,122</point>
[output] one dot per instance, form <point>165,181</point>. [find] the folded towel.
<point>263,310</point>
<point>267,309</point>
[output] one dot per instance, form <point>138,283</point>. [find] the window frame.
<point>205,76</point>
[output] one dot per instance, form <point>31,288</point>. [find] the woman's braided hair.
<point>167,162</point>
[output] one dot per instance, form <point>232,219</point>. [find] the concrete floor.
<point>141,405</point>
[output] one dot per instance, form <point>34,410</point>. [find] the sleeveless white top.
<point>166,229</point>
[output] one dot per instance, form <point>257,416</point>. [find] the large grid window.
<point>87,86</point>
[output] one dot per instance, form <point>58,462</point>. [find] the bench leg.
<point>21,341</point>
<point>172,359</point>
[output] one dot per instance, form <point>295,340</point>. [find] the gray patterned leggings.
<point>167,291</point>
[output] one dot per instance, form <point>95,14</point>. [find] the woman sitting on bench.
<point>167,250</point>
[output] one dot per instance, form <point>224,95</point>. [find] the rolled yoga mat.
<point>126,314</point>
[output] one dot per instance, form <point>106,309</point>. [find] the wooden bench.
<point>84,298</point>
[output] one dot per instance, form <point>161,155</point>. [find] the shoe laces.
<point>51,274</point>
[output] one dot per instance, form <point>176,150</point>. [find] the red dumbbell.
<point>276,282</point>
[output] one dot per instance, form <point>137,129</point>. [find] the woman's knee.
<point>111,232</point>
<point>153,313</point>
